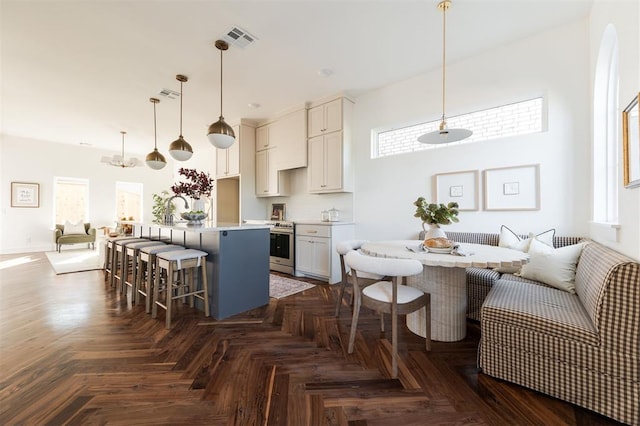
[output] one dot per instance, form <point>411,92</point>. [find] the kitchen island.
<point>237,261</point>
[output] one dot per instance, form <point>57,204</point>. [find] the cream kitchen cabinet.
<point>316,254</point>
<point>269,181</point>
<point>263,139</point>
<point>289,133</point>
<point>325,118</point>
<point>228,160</point>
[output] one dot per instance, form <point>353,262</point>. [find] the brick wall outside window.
<point>518,118</point>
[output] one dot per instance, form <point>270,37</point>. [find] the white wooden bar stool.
<point>108,255</point>
<point>131,255</point>
<point>118,261</point>
<point>182,261</point>
<point>389,297</point>
<point>146,271</point>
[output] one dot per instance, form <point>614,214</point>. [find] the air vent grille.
<point>239,37</point>
<point>168,93</point>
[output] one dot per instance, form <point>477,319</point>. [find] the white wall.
<point>625,17</point>
<point>551,64</point>
<point>27,160</point>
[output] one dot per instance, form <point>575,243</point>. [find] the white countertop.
<point>319,222</point>
<point>206,226</point>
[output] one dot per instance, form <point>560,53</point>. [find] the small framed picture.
<point>278,211</point>
<point>25,194</point>
<point>459,187</point>
<point>512,188</point>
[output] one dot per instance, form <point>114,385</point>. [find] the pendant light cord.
<point>155,132</point>
<point>123,133</point>
<point>180,108</point>
<point>220,82</point>
<point>445,6</point>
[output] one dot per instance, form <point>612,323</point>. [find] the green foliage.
<point>160,205</point>
<point>436,213</point>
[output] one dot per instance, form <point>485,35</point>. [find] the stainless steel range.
<point>282,251</point>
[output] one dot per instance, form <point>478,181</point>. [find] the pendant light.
<point>118,160</point>
<point>443,134</point>
<point>220,134</point>
<point>180,149</point>
<point>154,159</point>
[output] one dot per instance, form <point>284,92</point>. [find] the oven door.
<point>281,250</point>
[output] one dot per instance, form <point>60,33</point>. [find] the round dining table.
<point>444,277</point>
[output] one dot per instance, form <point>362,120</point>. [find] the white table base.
<point>448,289</point>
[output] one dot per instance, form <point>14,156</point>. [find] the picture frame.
<point>25,194</point>
<point>631,144</point>
<point>512,188</point>
<point>278,211</point>
<point>460,187</point>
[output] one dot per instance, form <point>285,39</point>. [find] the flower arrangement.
<point>436,214</point>
<point>200,184</point>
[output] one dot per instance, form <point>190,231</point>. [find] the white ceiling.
<point>81,71</point>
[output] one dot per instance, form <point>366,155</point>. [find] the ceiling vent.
<point>239,37</point>
<point>169,94</point>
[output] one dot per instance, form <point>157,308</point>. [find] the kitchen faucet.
<point>168,217</point>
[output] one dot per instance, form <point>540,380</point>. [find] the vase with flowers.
<point>435,215</point>
<point>198,187</point>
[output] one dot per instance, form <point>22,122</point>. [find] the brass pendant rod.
<point>155,132</point>
<point>123,133</point>
<point>444,56</point>
<point>180,108</point>
<point>220,82</point>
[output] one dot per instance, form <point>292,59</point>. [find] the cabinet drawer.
<point>313,231</point>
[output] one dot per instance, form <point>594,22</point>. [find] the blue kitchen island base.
<point>237,262</point>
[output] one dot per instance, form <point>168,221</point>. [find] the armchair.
<point>72,237</point>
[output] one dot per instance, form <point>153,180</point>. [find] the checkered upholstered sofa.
<point>479,280</point>
<point>583,348</point>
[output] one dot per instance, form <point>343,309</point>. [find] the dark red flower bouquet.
<point>200,184</point>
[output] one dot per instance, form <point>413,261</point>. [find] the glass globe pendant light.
<point>220,134</point>
<point>444,134</point>
<point>154,159</point>
<point>180,149</point>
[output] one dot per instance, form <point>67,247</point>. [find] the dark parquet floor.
<point>75,352</point>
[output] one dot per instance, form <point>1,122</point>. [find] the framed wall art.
<point>631,144</point>
<point>512,188</point>
<point>461,187</point>
<point>278,211</point>
<point>25,194</point>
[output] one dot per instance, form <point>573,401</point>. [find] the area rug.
<point>75,260</point>
<point>280,287</point>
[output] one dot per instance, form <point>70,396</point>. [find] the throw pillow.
<point>74,228</point>
<point>554,267</point>
<point>510,239</point>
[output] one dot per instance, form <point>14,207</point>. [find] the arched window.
<point>605,130</point>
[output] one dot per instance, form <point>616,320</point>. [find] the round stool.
<point>182,261</point>
<point>146,271</point>
<point>131,254</point>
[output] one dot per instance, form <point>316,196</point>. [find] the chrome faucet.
<point>168,217</point>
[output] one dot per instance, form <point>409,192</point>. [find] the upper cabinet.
<point>262,137</point>
<point>329,147</point>
<point>228,160</point>
<point>325,118</point>
<point>289,133</point>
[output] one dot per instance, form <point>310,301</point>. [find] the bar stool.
<point>147,269</point>
<point>108,255</point>
<point>182,261</point>
<point>131,254</point>
<point>118,259</point>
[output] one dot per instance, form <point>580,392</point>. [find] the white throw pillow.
<point>510,239</point>
<point>554,267</point>
<point>74,228</point>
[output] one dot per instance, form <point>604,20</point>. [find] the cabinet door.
<point>233,159</point>
<point>304,254</point>
<point>222,169</point>
<point>333,116</point>
<point>262,138</point>
<point>316,170</point>
<point>322,256</point>
<point>333,161</point>
<point>315,121</point>
<point>262,173</point>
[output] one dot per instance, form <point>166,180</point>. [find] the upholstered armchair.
<point>74,235</point>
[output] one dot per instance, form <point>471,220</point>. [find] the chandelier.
<point>119,160</point>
